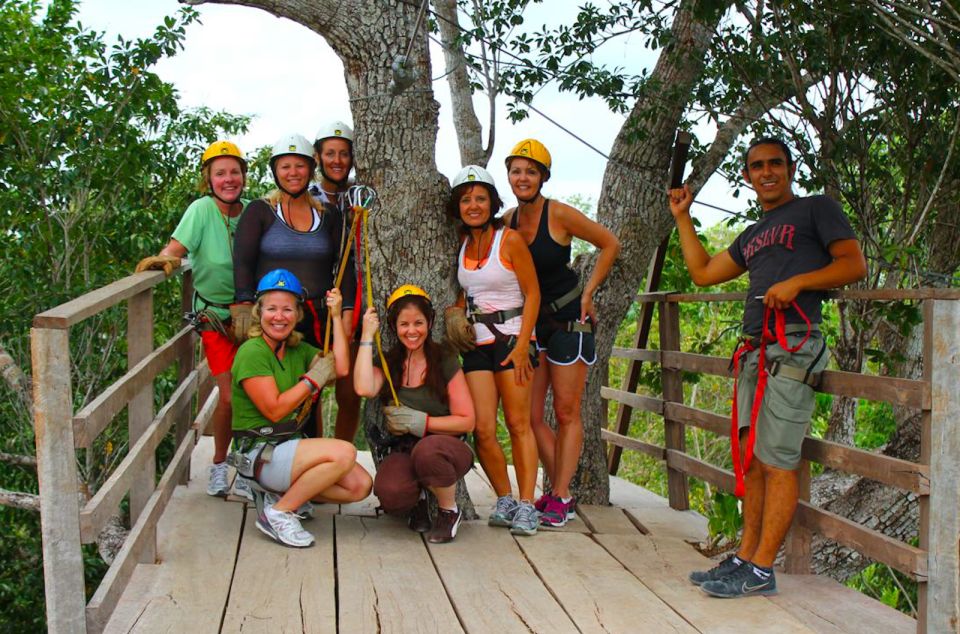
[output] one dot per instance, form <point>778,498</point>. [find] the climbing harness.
<point>494,319</point>
<point>361,199</point>
<point>746,346</point>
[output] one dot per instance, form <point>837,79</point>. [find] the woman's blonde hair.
<point>255,330</point>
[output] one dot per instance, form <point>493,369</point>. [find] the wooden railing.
<point>66,520</point>
<point>935,479</point>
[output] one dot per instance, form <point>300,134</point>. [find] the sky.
<point>239,59</point>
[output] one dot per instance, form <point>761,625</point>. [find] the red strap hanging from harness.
<point>317,328</point>
<point>740,467</point>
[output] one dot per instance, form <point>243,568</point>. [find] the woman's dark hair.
<point>496,204</point>
<point>433,351</point>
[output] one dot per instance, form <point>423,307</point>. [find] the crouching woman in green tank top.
<point>276,376</point>
<point>427,447</point>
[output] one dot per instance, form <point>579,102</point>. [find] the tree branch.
<point>20,461</point>
<point>18,500</point>
<point>465,122</point>
<point>17,380</point>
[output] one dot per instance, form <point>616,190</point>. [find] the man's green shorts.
<point>787,403</point>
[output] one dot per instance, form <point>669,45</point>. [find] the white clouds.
<point>247,61</point>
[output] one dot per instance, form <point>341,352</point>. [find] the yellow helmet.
<point>222,148</point>
<point>533,150</point>
<point>405,290</point>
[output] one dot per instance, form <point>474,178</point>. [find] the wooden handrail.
<point>89,304</point>
<point>59,431</point>
<point>934,478</point>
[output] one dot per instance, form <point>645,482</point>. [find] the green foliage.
<point>887,586</point>
<point>97,163</point>
<point>724,520</point>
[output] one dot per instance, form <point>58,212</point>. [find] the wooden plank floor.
<point>620,568</point>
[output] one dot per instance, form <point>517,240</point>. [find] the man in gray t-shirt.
<point>799,248</point>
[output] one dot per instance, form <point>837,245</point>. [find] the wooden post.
<point>797,547</point>
<point>677,489</point>
<point>939,598</point>
<point>57,476</point>
<point>186,362</point>
<point>632,376</point>
<point>140,409</point>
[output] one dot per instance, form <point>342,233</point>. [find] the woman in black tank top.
<point>567,318</point>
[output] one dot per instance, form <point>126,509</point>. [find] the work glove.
<point>404,420</point>
<point>321,372</point>
<point>460,333</point>
<point>241,318</point>
<point>165,263</point>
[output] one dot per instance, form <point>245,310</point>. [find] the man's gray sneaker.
<point>503,511</point>
<point>525,520</point>
<point>217,483</point>
<point>284,527</point>
<point>742,582</point>
<point>719,571</point>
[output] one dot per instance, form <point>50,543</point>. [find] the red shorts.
<point>219,351</point>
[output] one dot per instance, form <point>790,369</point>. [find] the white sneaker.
<point>241,488</point>
<point>217,479</point>
<point>284,527</point>
<point>304,512</point>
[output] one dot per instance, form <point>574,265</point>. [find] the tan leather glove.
<point>404,420</point>
<point>241,318</point>
<point>321,372</point>
<point>460,333</point>
<point>166,263</point>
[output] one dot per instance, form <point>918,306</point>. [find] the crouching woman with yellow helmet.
<point>205,233</point>
<point>429,451</point>
<point>276,376</point>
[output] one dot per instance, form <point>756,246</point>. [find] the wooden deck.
<point>615,569</point>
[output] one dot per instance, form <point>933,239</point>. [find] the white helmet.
<point>473,174</point>
<point>292,144</point>
<point>334,130</point>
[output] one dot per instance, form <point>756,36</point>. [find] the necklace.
<point>486,253</point>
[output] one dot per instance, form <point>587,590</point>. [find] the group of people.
<point>275,281</point>
<point>266,293</point>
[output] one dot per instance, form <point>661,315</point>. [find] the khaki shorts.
<point>787,403</point>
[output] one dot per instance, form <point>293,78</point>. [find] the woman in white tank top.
<point>501,296</point>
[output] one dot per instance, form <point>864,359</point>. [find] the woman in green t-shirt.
<point>435,413</point>
<point>205,232</point>
<point>276,376</point>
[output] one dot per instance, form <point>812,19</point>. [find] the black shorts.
<point>565,348</point>
<point>489,356</point>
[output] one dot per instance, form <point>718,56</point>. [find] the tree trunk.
<point>633,205</point>
<point>410,238</point>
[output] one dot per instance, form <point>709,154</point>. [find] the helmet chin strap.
<point>233,202</point>
<point>527,201</point>
<point>339,183</point>
<point>294,195</point>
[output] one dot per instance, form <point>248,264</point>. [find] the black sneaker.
<point>719,571</point>
<point>420,516</point>
<point>742,582</point>
<point>446,528</point>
